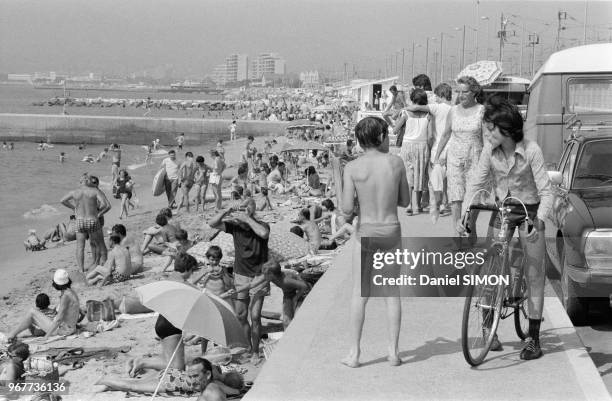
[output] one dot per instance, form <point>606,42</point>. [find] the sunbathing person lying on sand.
<point>196,378</point>
<point>68,312</point>
<point>62,232</point>
<point>118,266</point>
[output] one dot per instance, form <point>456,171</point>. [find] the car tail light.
<point>598,249</point>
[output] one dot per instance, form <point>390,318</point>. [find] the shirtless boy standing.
<point>378,180</point>
<point>89,205</point>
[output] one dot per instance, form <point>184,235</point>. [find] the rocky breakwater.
<point>126,130</point>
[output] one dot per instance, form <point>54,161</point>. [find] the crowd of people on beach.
<point>446,151</point>
<point>262,181</point>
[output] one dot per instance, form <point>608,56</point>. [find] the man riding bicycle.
<point>516,166</point>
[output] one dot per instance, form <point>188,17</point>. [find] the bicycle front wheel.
<point>521,310</point>
<point>482,311</point>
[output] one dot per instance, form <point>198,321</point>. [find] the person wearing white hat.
<point>68,312</point>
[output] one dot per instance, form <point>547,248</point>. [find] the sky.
<point>122,36</point>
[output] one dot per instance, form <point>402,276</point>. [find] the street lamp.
<point>486,19</point>
<point>442,54</point>
<point>463,62</point>
<point>413,46</point>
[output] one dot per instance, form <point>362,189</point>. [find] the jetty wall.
<point>126,130</point>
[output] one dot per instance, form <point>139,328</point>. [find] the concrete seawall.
<point>125,130</point>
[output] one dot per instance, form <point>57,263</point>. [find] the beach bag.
<point>100,311</point>
<point>130,304</point>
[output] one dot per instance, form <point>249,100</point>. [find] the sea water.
<point>20,99</point>
<point>32,183</point>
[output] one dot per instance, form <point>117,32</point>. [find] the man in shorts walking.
<point>251,247</point>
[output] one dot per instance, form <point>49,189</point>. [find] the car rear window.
<point>590,95</point>
<point>595,165</point>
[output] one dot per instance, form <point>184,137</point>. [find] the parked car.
<point>579,231</point>
<point>574,80</point>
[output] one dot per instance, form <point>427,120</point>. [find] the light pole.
<point>462,59</point>
<point>427,55</point>
<point>442,54</point>
<point>523,30</point>
<point>413,46</point>
<point>486,19</point>
<point>403,61</point>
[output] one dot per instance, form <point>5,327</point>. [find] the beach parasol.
<point>193,311</point>
<point>485,72</point>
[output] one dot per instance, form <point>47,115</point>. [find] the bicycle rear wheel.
<point>481,312</point>
<point>521,311</point>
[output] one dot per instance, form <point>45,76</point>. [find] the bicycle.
<point>486,304</point>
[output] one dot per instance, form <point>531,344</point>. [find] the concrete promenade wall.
<point>125,130</point>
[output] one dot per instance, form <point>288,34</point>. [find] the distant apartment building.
<point>310,79</point>
<point>235,68</point>
<point>266,63</point>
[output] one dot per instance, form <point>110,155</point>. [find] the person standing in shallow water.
<point>377,182</point>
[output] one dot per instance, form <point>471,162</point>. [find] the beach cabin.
<point>374,92</point>
<point>573,84</point>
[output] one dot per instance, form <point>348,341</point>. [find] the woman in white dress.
<point>464,135</point>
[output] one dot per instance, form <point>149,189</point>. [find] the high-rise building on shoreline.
<point>266,63</point>
<point>237,67</point>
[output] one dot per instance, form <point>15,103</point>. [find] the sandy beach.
<point>29,274</point>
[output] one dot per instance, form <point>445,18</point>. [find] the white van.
<point>573,84</point>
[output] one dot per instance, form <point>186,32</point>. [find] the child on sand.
<point>33,243</point>
<point>215,278</point>
<point>377,181</point>
<point>42,304</point>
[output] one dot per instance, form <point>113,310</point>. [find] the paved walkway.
<point>305,364</point>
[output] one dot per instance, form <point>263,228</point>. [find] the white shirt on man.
<point>171,167</point>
